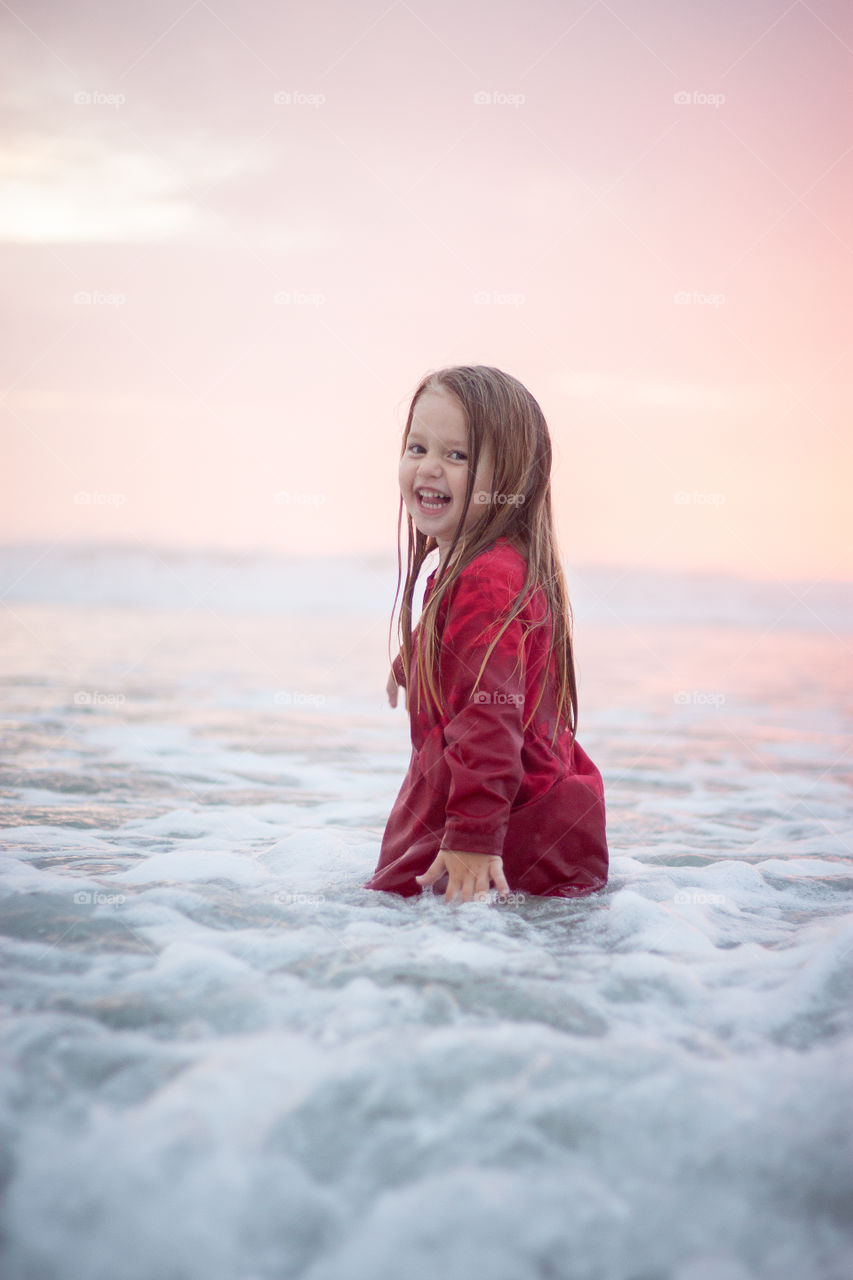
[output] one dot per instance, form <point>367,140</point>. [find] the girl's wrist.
<point>463,853</point>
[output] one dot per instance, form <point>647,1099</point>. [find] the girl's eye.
<point>458,453</point>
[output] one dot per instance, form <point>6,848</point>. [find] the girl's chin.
<point>428,519</point>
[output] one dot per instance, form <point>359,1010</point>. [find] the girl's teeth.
<point>434,502</point>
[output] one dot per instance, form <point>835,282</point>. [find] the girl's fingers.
<point>470,888</point>
<point>433,871</point>
<point>455,885</point>
<point>462,882</point>
<point>500,879</point>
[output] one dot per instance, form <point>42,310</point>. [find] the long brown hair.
<point>501,412</point>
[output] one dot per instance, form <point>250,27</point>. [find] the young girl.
<point>498,790</point>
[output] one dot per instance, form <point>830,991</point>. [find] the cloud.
<point>98,189</point>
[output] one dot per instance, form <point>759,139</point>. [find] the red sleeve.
<point>484,737</point>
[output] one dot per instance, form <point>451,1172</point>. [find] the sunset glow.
<point>235,238</point>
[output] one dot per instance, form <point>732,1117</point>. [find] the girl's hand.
<point>392,688</point>
<point>469,874</point>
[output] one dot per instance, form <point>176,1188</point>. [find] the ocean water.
<point>223,1059</point>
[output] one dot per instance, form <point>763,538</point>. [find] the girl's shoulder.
<point>488,587</point>
<point>497,579</point>
<point>503,560</point>
<point>493,579</point>
<point>497,570</point>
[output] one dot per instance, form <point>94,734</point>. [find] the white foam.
<point>211,1026</point>
<point>188,866</point>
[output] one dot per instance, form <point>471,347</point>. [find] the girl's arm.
<point>395,679</point>
<point>397,676</point>
<point>391,688</point>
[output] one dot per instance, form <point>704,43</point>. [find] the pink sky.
<point>648,224</point>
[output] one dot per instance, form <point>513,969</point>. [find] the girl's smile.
<point>432,500</point>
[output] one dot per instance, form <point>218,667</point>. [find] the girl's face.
<point>434,469</point>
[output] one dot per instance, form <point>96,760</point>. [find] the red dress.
<point>478,782</point>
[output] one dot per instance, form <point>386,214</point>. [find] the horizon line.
<point>271,553</point>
